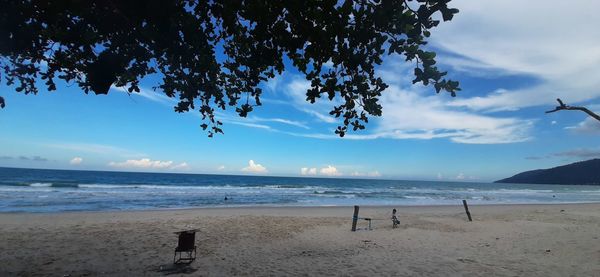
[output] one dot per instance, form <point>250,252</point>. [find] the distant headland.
<point>579,173</point>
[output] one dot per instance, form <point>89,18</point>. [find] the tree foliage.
<point>214,54</point>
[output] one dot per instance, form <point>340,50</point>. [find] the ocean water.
<point>35,190</point>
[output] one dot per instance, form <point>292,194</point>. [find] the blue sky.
<point>513,60</point>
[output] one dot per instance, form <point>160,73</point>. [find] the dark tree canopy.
<point>211,54</point>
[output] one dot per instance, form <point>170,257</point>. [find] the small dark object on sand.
<point>395,220</point>
<point>547,250</point>
<point>562,211</point>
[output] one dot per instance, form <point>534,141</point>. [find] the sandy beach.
<point>504,240</point>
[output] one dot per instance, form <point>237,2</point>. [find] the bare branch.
<point>563,106</point>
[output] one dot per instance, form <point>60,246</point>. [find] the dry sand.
<point>511,240</point>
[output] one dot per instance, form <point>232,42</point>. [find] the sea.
<point>40,191</point>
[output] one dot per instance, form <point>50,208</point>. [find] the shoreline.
<point>268,207</point>
<point>26,218</point>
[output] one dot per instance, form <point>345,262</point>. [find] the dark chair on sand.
<point>186,244</point>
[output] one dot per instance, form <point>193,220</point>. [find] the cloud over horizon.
<point>330,171</point>
<point>146,163</point>
<point>254,168</point>
<point>308,171</point>
<point>76,161</point>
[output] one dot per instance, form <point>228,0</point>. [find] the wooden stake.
<point>355,218</point>
<point>467,210</point>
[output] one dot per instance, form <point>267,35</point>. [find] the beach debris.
<point>306,253</point>
<point>466,260</point>
<point>547,250</point>
<point>562,211</point>
<point>467,209</point>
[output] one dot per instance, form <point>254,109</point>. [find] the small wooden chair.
<point>185,244</point>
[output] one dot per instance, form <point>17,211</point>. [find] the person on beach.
<point>395,220</point>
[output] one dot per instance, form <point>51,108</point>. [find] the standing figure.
<point>395,220</point>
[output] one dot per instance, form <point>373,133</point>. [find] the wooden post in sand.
<point>355,218</point>
<point>467,209</point>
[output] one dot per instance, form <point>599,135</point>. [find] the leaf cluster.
<point>214,54</point>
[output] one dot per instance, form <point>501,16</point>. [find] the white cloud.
<point>181,166</point>
<point>409,115</point>
<point>254,168</point>
<point>221,168</point>
<point>76,161</point>
<point>330,171</point>
<point>413,114</point>
<point>374,174</point>
<point>553,41</point>
<point>148,164</point>
<point>460,176</point>
<point>308,171</point>
<point>367,174</point>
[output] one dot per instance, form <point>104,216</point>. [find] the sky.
<point>512,58</point>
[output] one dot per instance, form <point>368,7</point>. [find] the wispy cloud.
<point>33,158</point>
<point>96,149</point>
<point>583,153</point>
<point>281,120</point>
<point>247,124</point>
<point>587,126</point>
<point>296,89</point>
<point>527,43</point>
<point>371,174</point>
<point>577,153</point>
<point>408,114</point>
<point>155,96</point>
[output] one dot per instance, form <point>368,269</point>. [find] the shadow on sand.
<point>168,269</point>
